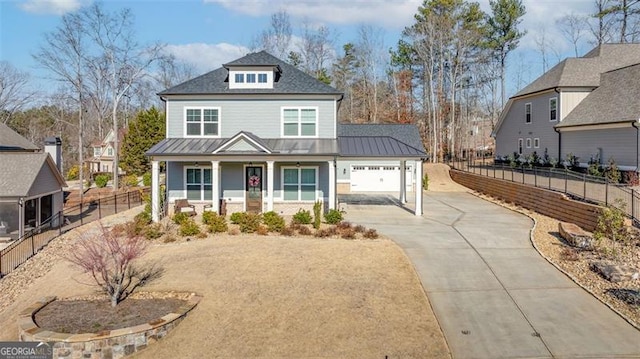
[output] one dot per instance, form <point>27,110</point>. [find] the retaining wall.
<point>546,202</point>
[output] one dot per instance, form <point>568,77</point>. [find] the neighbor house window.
<point>520,142</point>
<point>198,184</point>
<point>202,121</point>
<point>536,143</point>
<point>553,109</point>
<point>251,78</point>
<point>299,183</point>
<point>109,151</point>
<point>96,151</point>
<point>527,112</point>
<point>528,143</point>
<point>239,78</point>
<point>299,122</point>
<point>262,78</point>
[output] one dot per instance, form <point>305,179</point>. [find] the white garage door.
<point>370,178</point>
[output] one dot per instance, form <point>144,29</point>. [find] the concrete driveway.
<point>493,294</point>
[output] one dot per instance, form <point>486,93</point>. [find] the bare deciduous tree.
<point>14,92</point>
<point>111,261</point>
<point>277,38</point>
<point>572,27</point>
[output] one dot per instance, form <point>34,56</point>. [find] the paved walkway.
<point>493,294</point>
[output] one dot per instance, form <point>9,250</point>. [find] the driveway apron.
<point>493,294</point>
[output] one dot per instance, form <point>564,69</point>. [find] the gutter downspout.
<point>635,124</point>
<point>559,114</point>
<point>560,143</point>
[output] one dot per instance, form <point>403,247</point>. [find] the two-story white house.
<point>593,93</point>
<point>261,135</point>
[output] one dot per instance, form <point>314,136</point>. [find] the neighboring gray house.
<point>30,185</point>
<point>533,119</point>
<point>261,135</point>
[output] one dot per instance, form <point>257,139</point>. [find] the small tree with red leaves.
<point>110,260</point>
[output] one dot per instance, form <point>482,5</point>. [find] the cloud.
<point>55,7</point>
<point>207,57</point>
<point>390,14</point>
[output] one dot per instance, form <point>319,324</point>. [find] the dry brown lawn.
<point>270,296</point>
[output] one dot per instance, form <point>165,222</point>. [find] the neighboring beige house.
<point>30,185</point>
<point>586,106</point>
<point>103,152</point>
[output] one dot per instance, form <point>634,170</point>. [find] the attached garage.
<point>379,178</point>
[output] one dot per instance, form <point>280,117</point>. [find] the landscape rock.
<point>575,236</point>
<point>613,272</point>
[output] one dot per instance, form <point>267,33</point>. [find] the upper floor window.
<point>262,78</point>
<point>109,151</point>
<point>527,112</point>
<point>251,78</point>
<point>97,151</point>
<point>239,78</point>
<point>553,109</point>
<point>202,122</point>
<point>299,122</point>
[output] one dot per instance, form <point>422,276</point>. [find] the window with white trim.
<point>536,143</point>
<point>251,78</point>
<point>528,143</point>
<point>527,112</point>
<point>202,122</point>
<point>299,183</point>
<point>198,184</point>
<point>299,121</point>
<point>239,78</point>
<point>553,109</point>
<point>97,151</point>
<point>109,151</point>
<point>262,78</point>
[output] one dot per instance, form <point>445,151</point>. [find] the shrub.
<point>333,230</point>
<point>612,172</point>
<point>302,217</point>
<point>180,217</point>
<point>143,217</point>
<point>304,230</point>
<point>287,231</point>
<point>236,217</point>
<point>208,217</point>
<point>234,231</point>
<point>333,216</point>
<point>425,182</point>
<point>217,223</point>
<point>344,225</point>
<point>73,173</point>
<point>250,223</point>
<point>348,233</point>
<point>146,179</point>
<point>317,212</point>
<point>371,234</point>
<point>101,181</point>
<point>611,224</point>
<point>131,180</point>
<point>360,229</point>
<point>273,221</point>
<point>169,239</point>
<point>189,228</point>
<point>321,233</point>
<point>631,178</point>
<point>153,231</point>
<point>262,230</point>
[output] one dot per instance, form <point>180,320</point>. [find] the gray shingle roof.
<point>11,140</point>
<point>279,146</point>
<point>616,100</point>
<point>20,170</point>
<point>405,133</point>
<point>291,81</point>
<point>585,71</point>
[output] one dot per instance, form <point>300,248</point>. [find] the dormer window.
<point>253,78</point>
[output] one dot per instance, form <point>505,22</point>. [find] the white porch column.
<point>270,179</point>
<point>155,191</point>
<point>215,186</point>
<point>418,211</point>
<point>403,181</point>
<point>332,184</point>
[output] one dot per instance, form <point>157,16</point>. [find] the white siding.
<point>569,101</point>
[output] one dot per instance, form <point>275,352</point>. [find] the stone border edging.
<point>573,279</point>
<point>106,344</point>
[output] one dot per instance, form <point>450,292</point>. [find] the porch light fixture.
<point>250,163</point>
<point>196,164</point>
<point>297,164</point>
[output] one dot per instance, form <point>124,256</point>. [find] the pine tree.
<point>147,129</point>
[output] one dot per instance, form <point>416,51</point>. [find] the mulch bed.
<point>93,316</point>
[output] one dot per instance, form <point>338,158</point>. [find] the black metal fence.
<point>69,218</point>
<point>577,185</point>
